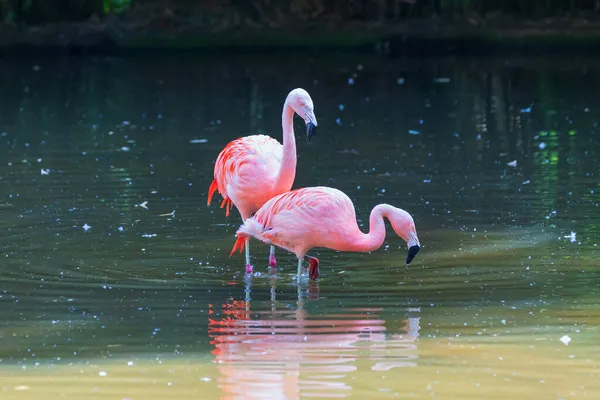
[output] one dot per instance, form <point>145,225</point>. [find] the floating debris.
<point>171,214</point>
<point>125,148</point>
<point>120,229</point>
<point>400,81</point>
<point>542,146</point>
<point>45,171</point>
<point>341,107</point>
<point>86,227</point>
<point>143,205</point>
<point>413,132</point>
<point>149,235</point>
<point>565,339</point>
<point>512,164</point>
<point>527,182</point>
<point>350,81</point>
<point>102,373</point>
<point>194,141</point>
<point>526,110</point>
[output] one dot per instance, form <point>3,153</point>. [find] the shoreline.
<point>113,36</point>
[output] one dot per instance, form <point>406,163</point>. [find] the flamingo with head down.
<point>321,216</point>
<point>251,170</point>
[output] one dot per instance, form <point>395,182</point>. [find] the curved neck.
<point>373,240</point>
<point>287,172</point>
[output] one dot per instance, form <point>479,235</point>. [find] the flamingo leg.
<point>248,265</point>
<point>299,269</point>
<point>272,260</point>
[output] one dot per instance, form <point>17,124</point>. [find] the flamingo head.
<point>302,104</point>
<point>404,226</point>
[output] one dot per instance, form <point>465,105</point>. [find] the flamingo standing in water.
<point>323,217</point>
<point>252,169</point>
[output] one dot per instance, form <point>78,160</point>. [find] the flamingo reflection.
<point>278,352</point>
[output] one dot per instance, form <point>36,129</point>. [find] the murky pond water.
<point>116,281</point>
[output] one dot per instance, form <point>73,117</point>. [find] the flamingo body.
<point>246,173</point>
<point>320,216</point>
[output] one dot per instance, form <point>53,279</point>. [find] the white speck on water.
<point>512,164</point>
<point>542,146</point>
<point>338,121</point>
<point>194,141</point>
<point>400,81</point>
<point>565,340</point>
<point>413,132</point>
<point>526,182</point>
<point>45,171</point>
<point>143,205</point>
<point>149,235</point>
<point>503,322</point>
<point>125,148</point>
<point>102,373</point>
<point>130,363</point>
<point>572,237</point>
<point>120,229</point>
<point>170,383</point>
<point>86,227</point>
<point>426,180</point>
<point>206,379</point>
<point>341,107</point>
<point>526,110</point>
<point>350,81</point>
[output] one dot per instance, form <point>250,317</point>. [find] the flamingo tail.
<point>250,228</point>
<point>211,191</point>
<point>240,243</point>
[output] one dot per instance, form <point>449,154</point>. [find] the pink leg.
<point>249,268</point>
<point>313,269</point>
<point>272,260</point>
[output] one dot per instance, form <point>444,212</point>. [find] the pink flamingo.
<point>252,169</point>
<point>323,217</point>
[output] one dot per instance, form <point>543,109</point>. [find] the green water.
<point>116,281</point>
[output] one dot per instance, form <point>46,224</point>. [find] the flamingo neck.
<point>373,240</point>
<point>287,171</point>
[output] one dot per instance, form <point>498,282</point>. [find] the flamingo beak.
<point>413,248</point>
<point>311,125</point>
<point>412,252</point>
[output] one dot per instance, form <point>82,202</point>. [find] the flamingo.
<point>252,169</point>
<point>320,216</point>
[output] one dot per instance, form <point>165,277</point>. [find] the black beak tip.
<point>412,252</point>
<point>311,130</point>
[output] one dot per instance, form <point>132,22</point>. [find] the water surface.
<point>116,281</point>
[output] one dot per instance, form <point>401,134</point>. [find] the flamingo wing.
<point>246,170</point>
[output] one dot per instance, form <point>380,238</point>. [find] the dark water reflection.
<point>110,255</point>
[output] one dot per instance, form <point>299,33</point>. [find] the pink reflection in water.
<point>278,353</point>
